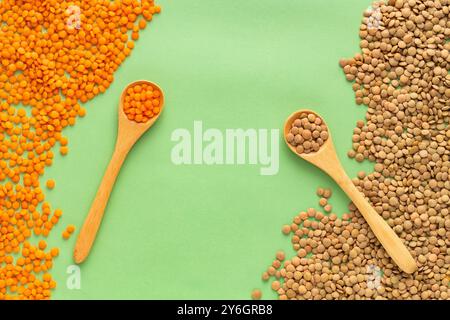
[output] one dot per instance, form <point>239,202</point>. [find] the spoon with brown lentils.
<point>307,135</point>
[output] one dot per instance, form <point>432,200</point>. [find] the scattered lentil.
<point>327,193</point>
<point>50,183</point>
<point>256,294</point>
<point>286,229</point>
<point>66,235</point>
<point>70,228</point>
<point>281,256</point>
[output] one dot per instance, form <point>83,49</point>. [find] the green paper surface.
<point>199,231</point>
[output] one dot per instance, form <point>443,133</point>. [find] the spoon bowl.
<point>313,156</point>
<point>128,132</point>
<point>327,160</point>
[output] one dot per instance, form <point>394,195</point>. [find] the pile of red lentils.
<point>54,55</point>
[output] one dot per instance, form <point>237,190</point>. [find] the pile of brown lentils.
<point>401,75</point>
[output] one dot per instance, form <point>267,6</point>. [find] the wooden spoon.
<point>128,133</point>
<point>326,159</point>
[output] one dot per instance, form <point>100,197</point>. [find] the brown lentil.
<point>256,294</point>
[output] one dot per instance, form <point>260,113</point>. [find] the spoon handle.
<point>94,218</point>
<point>385,234</point>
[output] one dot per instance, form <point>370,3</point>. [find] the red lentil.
<point>50,66</point>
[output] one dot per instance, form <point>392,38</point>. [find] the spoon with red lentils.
<point>307,135</point>
<point>140,105</point>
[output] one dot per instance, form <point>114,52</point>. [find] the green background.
<point>208,232</point>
